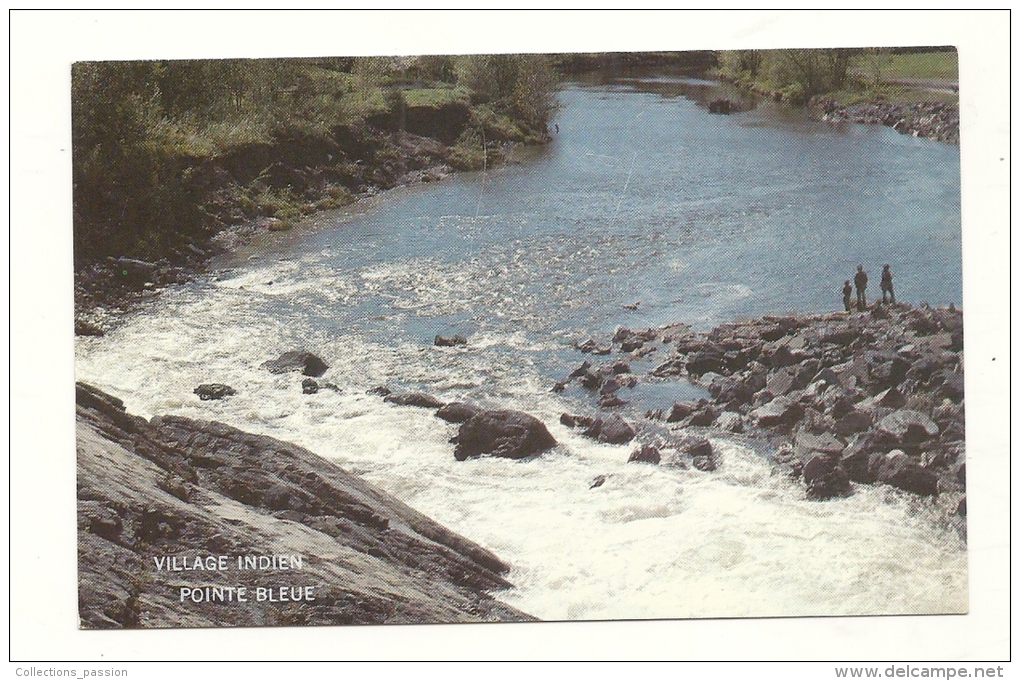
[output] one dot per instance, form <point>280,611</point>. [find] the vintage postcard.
<point>600,335</point>
<point>518,337</point>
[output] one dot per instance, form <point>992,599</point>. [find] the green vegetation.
<point>848,75</point>
<point>882,65</point>
<point>166,153</point>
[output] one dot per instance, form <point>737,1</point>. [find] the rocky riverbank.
<point>185,523</point>
<point>934,120</point>
<point>837,400</point>
<point>842,398</point>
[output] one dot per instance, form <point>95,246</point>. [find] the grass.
<point>436,96</point>
<point>925,65</point>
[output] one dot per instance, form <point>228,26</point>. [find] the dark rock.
<point>380,390</point>
<point>309,386</point>
<point>956,340</point>
<point>415,400</point>
<point>731,421</point>
<point>961,508</point>
<point>720,106</point>
<point>671,367</point>
<point>612,430</point>
<point>620,367</point>
<point>581,370</point>
<point>680,411</point>
<point>711,357</point>
<point>592,380</point>
<point>923,369</point>
<point>907,426</point>
<point>731,390</point>
<point>576,420</point>
<point>771,332</point>
<point>952,386</point>
<point>856,460</point>
<point>296,360</point>
<point>456,412</point>
<point>886,369</point>
<point>631,344</point>
<point>829,485</point>
<point>827,376</point>
<point>695,446</point>
<point>898,470</point>
<point>610,386</point>
<point>817,466</point>
<point>806,445</point>
<point>780,382</point>
<point>559,387</point>
<point>214,391</point>
<point>852,422</point>
<point>591,347</point>
<point>782,356</point>
<point>704,463</point>
<point>100,519</point>
<point>83,327</point>
<point>703,417</point>
<point>611,400</point>
<point>597,482</point>
<point>645,454</point>
<point>891,398</point>
<point>783,411</point>
<point>503,433</point>
<point>450,341</point>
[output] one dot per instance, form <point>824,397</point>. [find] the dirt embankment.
<point>263,187</point>
<point>176,517</point>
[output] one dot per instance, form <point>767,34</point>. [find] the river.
<point>641,197</point>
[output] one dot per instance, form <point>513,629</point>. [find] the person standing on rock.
<point>861,282</point>
<point>847,290</point>
<point>887,285</point>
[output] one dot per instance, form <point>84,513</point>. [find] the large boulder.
<point>782,411</point>
<point>833,483</point>
<point>899,470</point>
<point>504,433</point>
<point>806,445</point>
<point>612,430</point>
<point>297,360</point>
<point>907,427</point>
<point>853,421</point>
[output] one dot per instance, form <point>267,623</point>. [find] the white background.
<point>42,484</point>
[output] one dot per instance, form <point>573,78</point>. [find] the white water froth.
<point>650,542</point>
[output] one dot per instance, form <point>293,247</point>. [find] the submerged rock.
<point>415,399</point>
<point>450,341</point>
<point>214,391</point>
<point>503,433</point>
